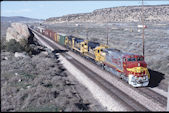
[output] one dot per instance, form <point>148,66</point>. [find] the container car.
<point>62,38</point>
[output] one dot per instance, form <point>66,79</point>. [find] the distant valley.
<point>19,19</point>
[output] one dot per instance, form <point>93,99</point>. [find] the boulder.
<point>23,55</point>
<point>18,31</point>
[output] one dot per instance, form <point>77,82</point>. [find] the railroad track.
<point>157,97</point>
<point>153,95</point>
<point>146,91</point>
<point>112,90</point>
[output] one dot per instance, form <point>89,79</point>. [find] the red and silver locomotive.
<point>128,66</point>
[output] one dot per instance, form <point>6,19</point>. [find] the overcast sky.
<point>46,9</point>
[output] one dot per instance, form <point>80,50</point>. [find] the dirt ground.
<point>41,83</point>
<point>128,38</point>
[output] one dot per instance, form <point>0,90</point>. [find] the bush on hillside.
<point>14,46</point>
<point>3,43</point>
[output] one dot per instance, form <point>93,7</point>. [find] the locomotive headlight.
<point>138,64</point>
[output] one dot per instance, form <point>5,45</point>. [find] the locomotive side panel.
<point>114,59</point>
<point>89,49</point>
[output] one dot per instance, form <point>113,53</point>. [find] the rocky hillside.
<point>155,13</point>
<point>38,82</point>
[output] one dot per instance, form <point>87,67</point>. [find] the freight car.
<point>128,66</point>
<point>61,38</point>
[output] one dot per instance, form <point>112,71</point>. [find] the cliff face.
<point>156,13</point>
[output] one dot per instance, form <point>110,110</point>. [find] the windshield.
<point>134,59</point>
<point>140,59</point>
<point>131,59</point>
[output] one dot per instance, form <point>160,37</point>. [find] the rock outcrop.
<point>18,31</point>
<point>154,13</point>
<point>23,55</point>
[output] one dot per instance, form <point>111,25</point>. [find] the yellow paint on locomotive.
<point>58,37</point>
<point>66,40</point>
<point>84,46</point>
<point>99,54</point>
<point>139,70</point>
<point>75,46</point>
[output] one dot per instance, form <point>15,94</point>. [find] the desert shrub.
<point>14,46</point>
<point>22,45</point>
<point>3,43</point>
<point>42,108</point>
<point>26,46</point>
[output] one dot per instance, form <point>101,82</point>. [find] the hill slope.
<point>153,13</point>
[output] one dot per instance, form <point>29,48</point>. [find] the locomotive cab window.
<point>140,59</point>
<point>131,59</point>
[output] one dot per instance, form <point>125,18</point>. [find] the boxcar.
<point>62,38</point>
<point>47,32</point>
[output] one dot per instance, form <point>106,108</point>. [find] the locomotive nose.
<point>136,64</point>
<point>137,68</point>
<point>140,69</point>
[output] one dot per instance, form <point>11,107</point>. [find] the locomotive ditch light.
<point>138,64</point>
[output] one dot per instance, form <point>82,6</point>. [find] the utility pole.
<point>87,32</point>
<point>76,29</point>
<point>142,28</point>
<point>107,30</point>
<point>107,33</point>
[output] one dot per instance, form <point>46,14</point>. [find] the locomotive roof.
<point>93,44</point>
<point>121,53</point>
<point>70,37</point>
<point>79,40</point>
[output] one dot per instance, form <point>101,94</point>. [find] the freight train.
<point>128,66</point>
